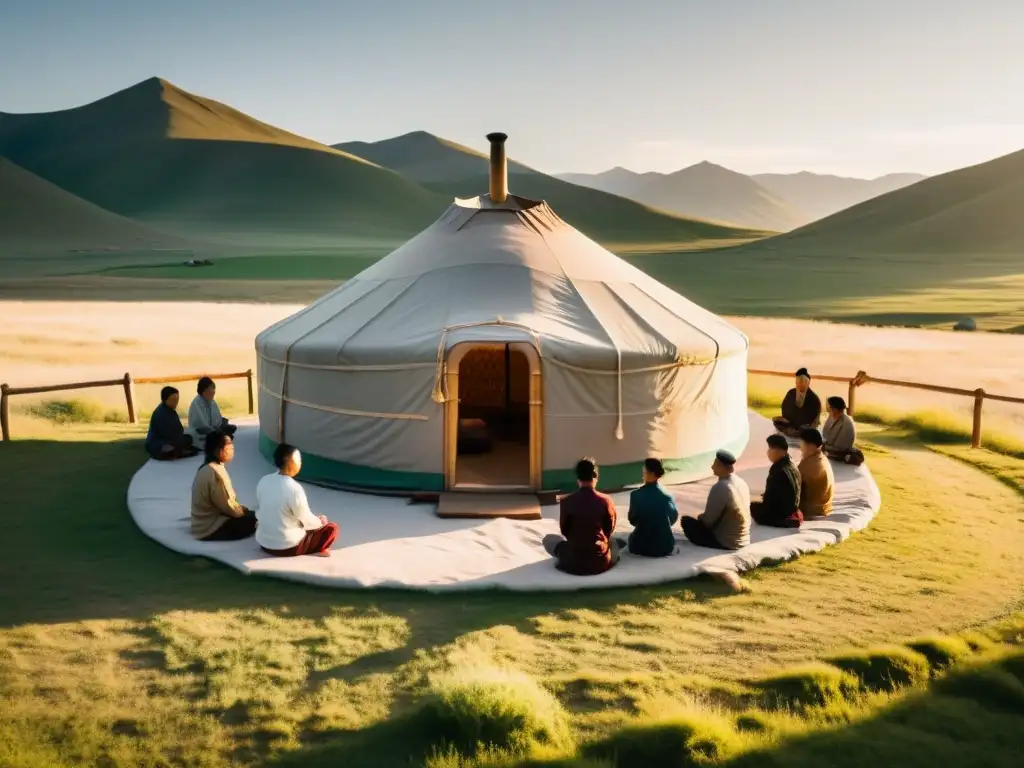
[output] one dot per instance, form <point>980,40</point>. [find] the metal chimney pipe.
<point>499,167</point>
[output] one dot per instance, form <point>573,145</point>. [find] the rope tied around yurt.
<point>439,393</point>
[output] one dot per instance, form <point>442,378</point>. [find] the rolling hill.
<point>816,195</point>
<point>158,153</point>
<point>39,217</point>
<point>455,170</point>
<point>970,211</point>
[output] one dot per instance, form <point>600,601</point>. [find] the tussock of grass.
<point>941,651</point>
<point>688,739</point>
<point>76,411</point>
<point>994,682</point>
<point>478,709</point>
<point>885,668</point>
<point>813,685</point>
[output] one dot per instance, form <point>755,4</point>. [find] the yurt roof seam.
<point>618,352</point>
<point>377,314</point>
<point>718,347</point>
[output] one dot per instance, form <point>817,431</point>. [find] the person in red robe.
<point>586,519</point>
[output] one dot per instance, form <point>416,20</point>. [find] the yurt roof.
<point>501,267</point>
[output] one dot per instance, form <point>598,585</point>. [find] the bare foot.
<point>321,554</point>
<point>731,580</point>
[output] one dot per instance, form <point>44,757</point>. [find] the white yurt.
<point>492,351</point>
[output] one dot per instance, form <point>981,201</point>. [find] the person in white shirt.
<point>287,527</point>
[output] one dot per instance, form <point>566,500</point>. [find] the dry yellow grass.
<point>47,342</point>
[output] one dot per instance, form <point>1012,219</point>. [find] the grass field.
<point>116,652</point>
<point>923,290</point>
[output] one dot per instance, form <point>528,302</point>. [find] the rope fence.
<point>128,383</point>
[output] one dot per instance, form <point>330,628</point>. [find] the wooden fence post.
<point>248,378</point>
<point>856,381</point>
<point>979,400</point>
<point>5,413</point>
<point>129,398</point>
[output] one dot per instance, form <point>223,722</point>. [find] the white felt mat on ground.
<point>387,542</point>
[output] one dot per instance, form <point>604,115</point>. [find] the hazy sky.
<point>858,87</point>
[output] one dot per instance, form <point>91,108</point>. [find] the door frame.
<point>453,359</point>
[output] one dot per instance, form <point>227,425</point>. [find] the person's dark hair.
<point>204,384</point>
<point>282,453</point>
<point>215,442</point>
<point>778,441</point>
<point>812,436</point>
<point>802,372</point>
<point>836,403</point>
<point>167,392</point>
<point>586,470</point>
<point>655,467</point>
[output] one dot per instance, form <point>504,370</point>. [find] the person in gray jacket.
<point>725,523</point>
<point>204,416</point>
<point>840,434</point>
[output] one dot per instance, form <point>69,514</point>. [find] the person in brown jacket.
<point>586,519</point>
<point>216,513</point>
<point>817,484</point>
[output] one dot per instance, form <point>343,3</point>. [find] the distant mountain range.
<point>159,154</point>
<point>780,202</point>
<point>455,170</point>
<point>154,165</point>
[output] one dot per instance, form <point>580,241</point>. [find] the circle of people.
<point>284,525</point>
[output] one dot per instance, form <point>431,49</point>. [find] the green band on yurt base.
<point>316,468</point>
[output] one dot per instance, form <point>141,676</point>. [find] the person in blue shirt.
<point>652,513</point>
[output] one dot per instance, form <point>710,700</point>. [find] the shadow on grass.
<point>74,554</point>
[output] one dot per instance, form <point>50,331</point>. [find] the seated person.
<point>286,525</point>
<point>840,434</point>
<point>780,505</point>
<point>216,513</point>
<point>166,439</point>
<point>652,513</point>
<point>204,414</point>
<point>816,481</point>
<point>586,519</point>
<point>725,523</point>
<point>800,407</point>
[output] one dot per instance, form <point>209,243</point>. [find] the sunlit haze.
<point>855,88</point>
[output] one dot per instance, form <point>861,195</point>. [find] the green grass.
<point>76,411</point>
<point>114,651</point>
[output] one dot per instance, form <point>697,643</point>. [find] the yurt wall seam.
<point>348,368</point>
<point>345,411</point>
<point>287,355</point>
<point>619,434</point>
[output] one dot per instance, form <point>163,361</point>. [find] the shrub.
<point>679,742</point>
<point>989,682</point>
<point>490,708</point>
<point>942,651</point>
<point>885,668</point>
<point>814,685</point>
<point>76,411</point>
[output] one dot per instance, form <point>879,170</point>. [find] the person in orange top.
<point>817,483</point>
<point>587,519</point>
